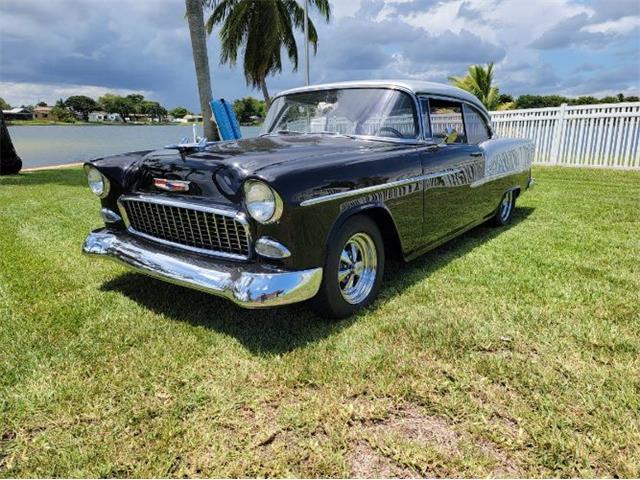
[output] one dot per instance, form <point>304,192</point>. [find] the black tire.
<point>504,212</point>
<point>331,300</point>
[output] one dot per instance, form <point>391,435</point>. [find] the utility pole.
<point>306,42</point>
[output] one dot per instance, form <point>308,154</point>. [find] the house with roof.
<point>98,116</point>
<point>17,113</point>
<point>43,113</point>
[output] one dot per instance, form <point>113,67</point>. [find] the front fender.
<point>121,171</point>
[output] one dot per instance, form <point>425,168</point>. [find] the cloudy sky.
<point>55,48</point>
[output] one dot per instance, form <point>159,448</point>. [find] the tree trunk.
<point>195,17</point>
<point>10,162</point>
<point>265,93</point>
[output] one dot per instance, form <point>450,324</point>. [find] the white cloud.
<point>345,8</point>
<point>620,26</point>
<point>17,94</point>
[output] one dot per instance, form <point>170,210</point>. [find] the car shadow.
<point>280,330</point>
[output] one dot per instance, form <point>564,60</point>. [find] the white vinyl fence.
<point>604,135</point>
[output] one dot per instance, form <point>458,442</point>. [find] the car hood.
<point>218,171</point>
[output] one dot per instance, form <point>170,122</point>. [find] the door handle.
<point>476,154</point>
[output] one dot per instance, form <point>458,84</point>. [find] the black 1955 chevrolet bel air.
<point>344,176</point>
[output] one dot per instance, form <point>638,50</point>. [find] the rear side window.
<point>446,121</point>
<point>477,129</point>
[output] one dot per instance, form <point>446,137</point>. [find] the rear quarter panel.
<point>507,166</point>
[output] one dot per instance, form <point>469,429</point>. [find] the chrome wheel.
<point>357,268</point>
<point>506,205</point>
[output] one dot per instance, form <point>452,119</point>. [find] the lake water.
<point>40,146</point>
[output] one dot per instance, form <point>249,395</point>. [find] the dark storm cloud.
<point>144,45</point>
<point>569,32</point>
<point>116,44</point>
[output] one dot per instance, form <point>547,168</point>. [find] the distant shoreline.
<point>40,123</point>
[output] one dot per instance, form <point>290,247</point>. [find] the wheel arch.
<point>382,217</point>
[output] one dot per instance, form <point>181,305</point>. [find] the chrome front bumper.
<point>246,284</point>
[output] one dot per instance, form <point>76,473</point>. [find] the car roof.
<point>415,86</point>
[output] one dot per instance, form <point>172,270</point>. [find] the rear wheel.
<point>504,213</point>
<point>353,269</point>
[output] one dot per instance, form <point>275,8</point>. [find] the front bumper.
<point>246,284</point>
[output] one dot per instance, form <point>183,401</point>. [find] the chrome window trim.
<point>418,139</point>
<point>238,216</point>
<point>375,188</point>
<point>483,112</point>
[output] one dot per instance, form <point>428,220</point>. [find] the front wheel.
<point>504,213</point>
<point>353,269</point>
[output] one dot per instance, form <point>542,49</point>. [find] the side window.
<point>446,121</point>
<point>477,129</point>
<point>424,107</point>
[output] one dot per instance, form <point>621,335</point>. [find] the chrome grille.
<point>198,229</point>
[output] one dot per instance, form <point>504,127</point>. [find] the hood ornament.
<point>198,144</point>
<point>171,185</point>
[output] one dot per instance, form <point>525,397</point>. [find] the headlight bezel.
<point>106,185</point>
<point>276,210</point>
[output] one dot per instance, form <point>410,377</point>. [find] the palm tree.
<point>478,81</point>
<point>263,28</point>
<point>195,18</point>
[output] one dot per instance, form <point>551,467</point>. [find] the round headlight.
<point>98,183</point>
<point>263,202</point>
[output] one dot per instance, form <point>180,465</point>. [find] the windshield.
<point>378,112</point>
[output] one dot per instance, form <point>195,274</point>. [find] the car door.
<point>450,166</point>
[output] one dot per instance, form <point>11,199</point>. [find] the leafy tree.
<point>179,112</point>
<point>154,109</point>
<point>41,104</point>
<point>620,97</point>
<point>28,108</point>
<point>248,107</point>
<point>632,99</point>
<point>609,99</point>
<point>195,19</point>
<point>116,104</point>
<point>505,98</point>
<point>61,112</point>
<point>540,101</point>
<point>137,103</point>
<point>585,100</point>
<point>479,82</point>
<point>4,105</point>
<point>82,104</point>
<point>262,30</point>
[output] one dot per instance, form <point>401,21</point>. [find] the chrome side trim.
<point>247,285</point>
<point>375,188</point>
<point>238,216</point>
<point>491,178</point>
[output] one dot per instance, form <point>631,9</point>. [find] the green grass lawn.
<point>506,352</point>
